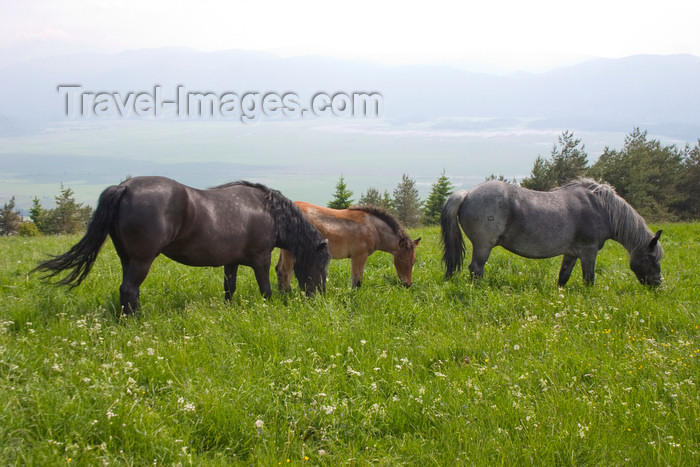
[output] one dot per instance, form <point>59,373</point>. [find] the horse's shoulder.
<point>356,216</point>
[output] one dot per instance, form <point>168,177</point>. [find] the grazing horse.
<point>574,220</point>
<point>356,233</point>
<point>229,225</point>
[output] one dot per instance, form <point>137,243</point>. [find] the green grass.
<point>507,370</point>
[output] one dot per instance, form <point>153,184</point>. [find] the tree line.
<point>404,201</point>
<point>662,182</point>
<point>67,217</point>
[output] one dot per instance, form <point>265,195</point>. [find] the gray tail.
<point>452,241</point>
<point>82,256</point>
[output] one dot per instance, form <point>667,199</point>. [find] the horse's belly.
<point>213,253</point>
<point>338,250</point>
<point>533,253</point>
<point>208,258</point>
<point>536,248</point>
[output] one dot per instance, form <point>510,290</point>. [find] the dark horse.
<point>574,220</point>
<point>229,225</point>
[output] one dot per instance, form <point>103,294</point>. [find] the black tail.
<point>452,241</point>
<point>82,256</point>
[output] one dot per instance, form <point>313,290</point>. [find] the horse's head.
<point>313,276</point>
<point>405,258</point>
<point>645,261</point>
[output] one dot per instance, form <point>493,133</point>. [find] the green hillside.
<point>507,370</point>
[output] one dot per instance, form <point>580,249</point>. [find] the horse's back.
<point>224,225</point>
<point>347,231</point>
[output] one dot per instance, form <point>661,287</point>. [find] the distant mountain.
<point>658,93</point>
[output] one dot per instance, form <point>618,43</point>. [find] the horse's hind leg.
<point>480,256</point>
<point>357,269</point>
<point>230,274</point>
<point>284,268</point>
<point>134,273</point>
<point>567,265</point>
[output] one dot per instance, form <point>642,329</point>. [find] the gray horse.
<point>574,220</point>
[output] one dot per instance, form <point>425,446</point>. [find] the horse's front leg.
<point>230,274</point>
<point>588,266</point>
<point>261,268</point>
<point>284,268</point>
<point>357,269</point>
<point>567,265</point>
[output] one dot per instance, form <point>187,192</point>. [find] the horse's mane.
<point>628,227</point>
<point>293,231</point>
<point>385,216</point>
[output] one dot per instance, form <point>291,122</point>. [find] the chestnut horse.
<point>356,233</point>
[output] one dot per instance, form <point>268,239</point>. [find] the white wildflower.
<point>189,407</point>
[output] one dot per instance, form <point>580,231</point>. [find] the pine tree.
<point>688,206</point>
<point>10,219</point>
<point>501,178</point>
<point>406,202</point>
<point>387,202</point>
<point>68,216</point>
<point>37,214</point>
<point>371,197</point>
<point>567,162</point>
<point>374,198</point>
<point>645,173</point>
<point>342,199</point>
<point>439,193</point>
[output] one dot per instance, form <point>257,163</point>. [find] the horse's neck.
<point>388,240</point>
<point>629,229</point>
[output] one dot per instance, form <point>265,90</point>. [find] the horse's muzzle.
<point>653,281</point>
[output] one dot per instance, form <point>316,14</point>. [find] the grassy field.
<point>507,370</point>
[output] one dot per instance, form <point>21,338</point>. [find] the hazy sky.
<point>509,33</point>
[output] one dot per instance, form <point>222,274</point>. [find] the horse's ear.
<point>322,245</point>
<point>407,243</point>
<point>416,241</point>
<point>655,240</point>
